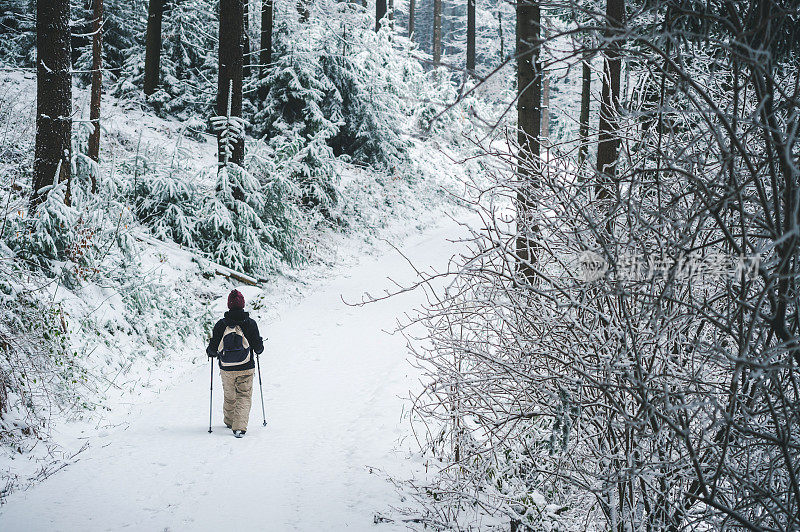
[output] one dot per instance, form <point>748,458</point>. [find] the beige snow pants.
<point>238,388</point>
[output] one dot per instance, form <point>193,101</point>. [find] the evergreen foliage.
<point>188,61</point>
<point>18,32</point>
<point>49,233</point>
<point>123,23</point>
<point>165,203</point>
<point>366,97</point>
<point>293,119</point>
<point>240,228</point>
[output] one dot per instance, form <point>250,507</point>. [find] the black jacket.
<point>249,328</point>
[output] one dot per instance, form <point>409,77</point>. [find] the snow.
<point>334,389</point>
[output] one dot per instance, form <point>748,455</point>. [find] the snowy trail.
<point>333,382</point>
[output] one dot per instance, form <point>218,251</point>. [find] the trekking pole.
<point>211,394</point>
<point>261,389</point>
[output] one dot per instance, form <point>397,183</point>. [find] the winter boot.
<point>238,433</point>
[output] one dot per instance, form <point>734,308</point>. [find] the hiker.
<point>234,341</point>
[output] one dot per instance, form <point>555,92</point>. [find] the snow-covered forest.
<point>517,266</point>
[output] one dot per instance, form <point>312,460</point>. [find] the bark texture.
<point>97,83</point>
<point>471,36</point>
<point>53,151</point>
<point>248,53</point>
<point>608,139</point>
<point>266,35</point>
<point>583,129</point>
<point>231,44</point>
<point>412,7</point>
<point>545,133</point>
<point>380,12</point>
<point>529,115</point>
<point>437,32</point>
<point>529,78</point>
<point>152,53</point>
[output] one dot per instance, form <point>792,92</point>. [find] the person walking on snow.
<point>233,342</point>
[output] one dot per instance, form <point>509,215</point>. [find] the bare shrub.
<point>646,378</point>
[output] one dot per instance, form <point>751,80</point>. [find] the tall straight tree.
<point>53,150</point>
<point>608,137</point>
<point>529,117</point>
<point>545,104</point>
<point>437,32</point>
<point>412,7</point>
<point>97,83</point>
<point>266,35</point>
<point>545,133</point>
<point>500,31</point>
<point>471,36</point>
<point>229,81</point>
<point>586,87</point>
<point>380,12</point>
<point>246,39</point>
<point>152,50</point>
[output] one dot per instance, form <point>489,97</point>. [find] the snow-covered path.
<point>333,382</point>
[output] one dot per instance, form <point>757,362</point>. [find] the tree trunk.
<point>545,133</point>
<point>500,33</point>
<point>266,35</point>
<point>231,23</point>
<point>152,53</point>
<point>177,49</point>
<point>53,150</point>
<point>380,12</point>
<point>390,12</point>
<point>97,84</point>
<point>412,7</point>
<point>437,32</point>
<point>608,139</point>
<point>471,36</point>
<point>529,91</point>
<point>545,103</point>
<point>586,87</point>
<point>246,38</point>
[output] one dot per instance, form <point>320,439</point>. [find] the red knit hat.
<point>235,300</point>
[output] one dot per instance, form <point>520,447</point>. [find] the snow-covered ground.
<point>334,389</point>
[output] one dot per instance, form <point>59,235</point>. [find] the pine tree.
<point>229,80</point>
<point>249,225</point>
<point>608,140</point>
<point>586,87</point>
<point>380,12</point>
<point>298,120</point>
<point>53,154</point>
<point>18,32</point>
<point>500,34</point>
<point>188,63</point>
<point>437,32</point>
<point>471,36</point>
<point>412,7</point>
<point>152,61</point>
<point>97,82</point>
<point>247,68</point>
<point>266,35</point>
<point>529,85</point>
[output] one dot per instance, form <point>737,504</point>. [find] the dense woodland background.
<point>618,345</point>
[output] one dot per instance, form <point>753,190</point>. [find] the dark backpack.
<point>234,349</point>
